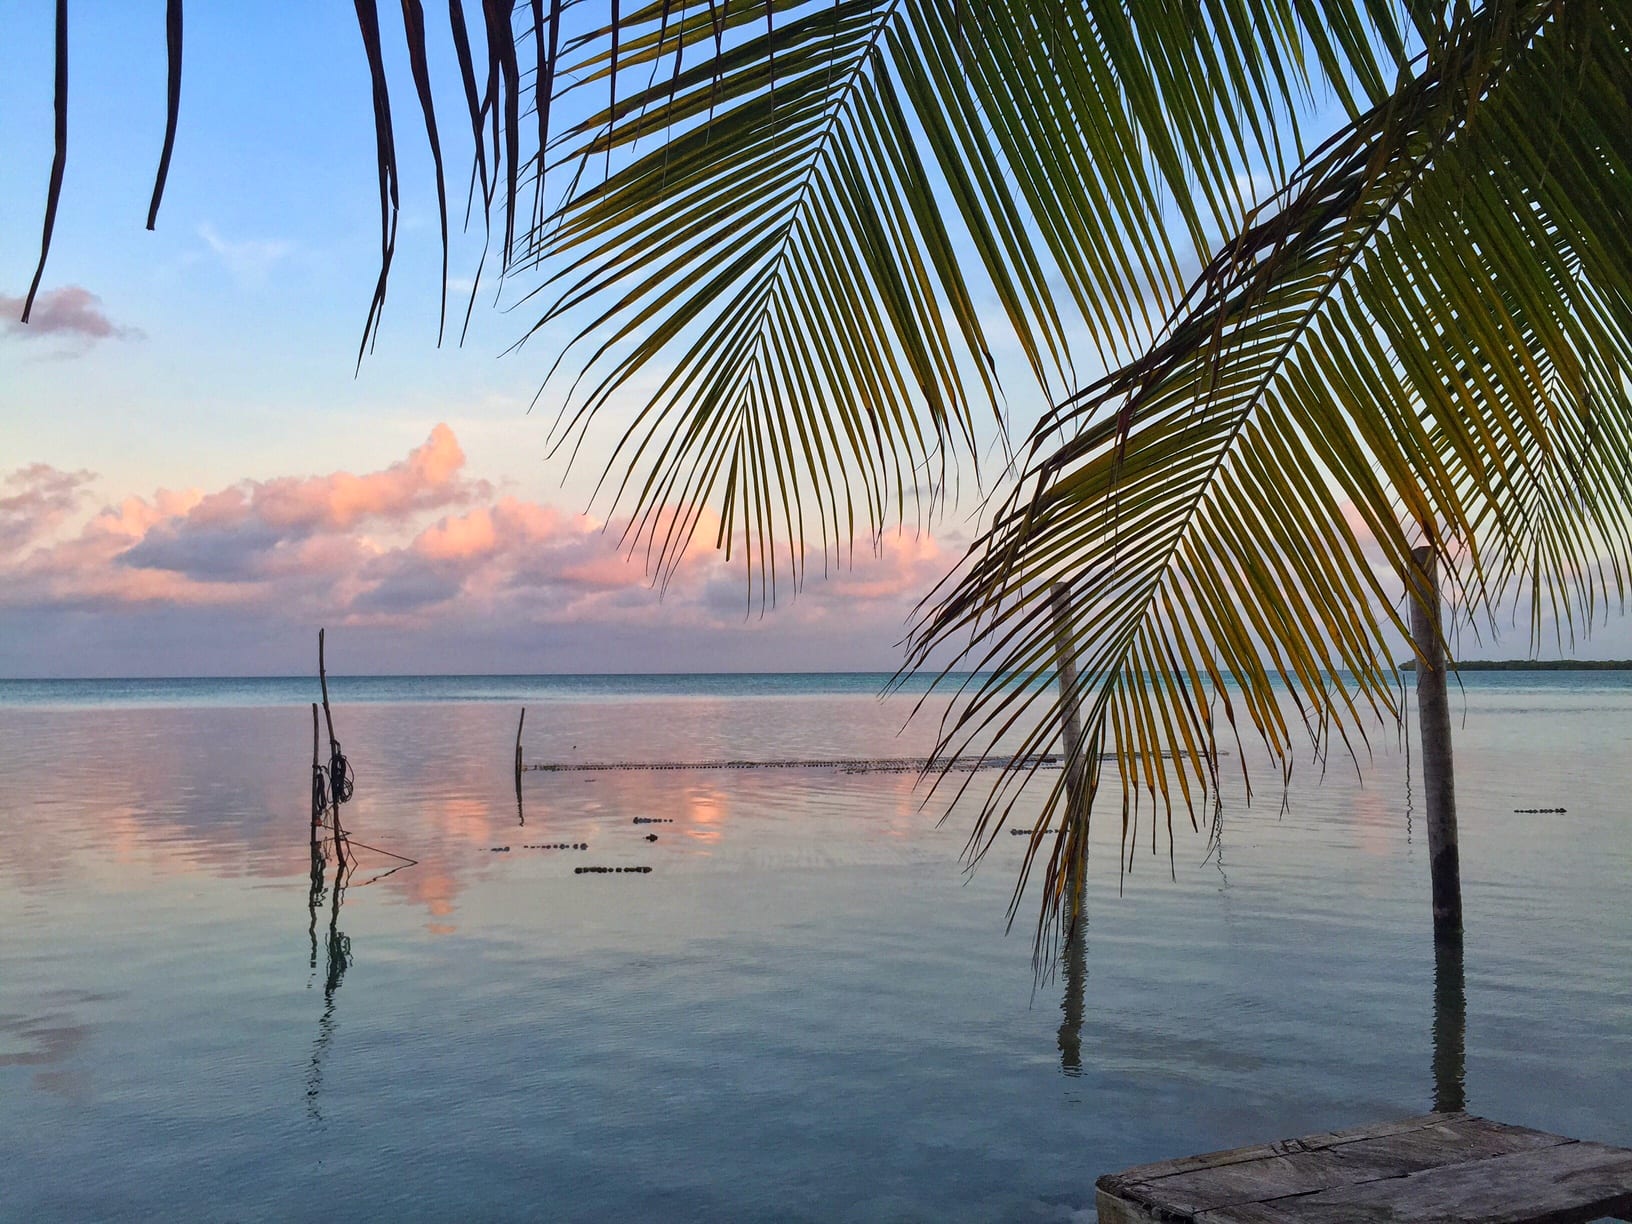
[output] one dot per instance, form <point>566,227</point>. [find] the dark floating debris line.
<point>847,764</point>
<point>611,871</point>
<point>1540,811</point>
<point>541,846</point>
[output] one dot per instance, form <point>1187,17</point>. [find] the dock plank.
<point>1439,1167</point>
<point>1257,1151</point>
<point>1320,1162</point>
<point>1569,1183</point>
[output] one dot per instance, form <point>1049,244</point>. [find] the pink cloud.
<point>70,311</point>
<point>419,547</point>
<point>35,500</point>
<point>428,479</point>
<point>238,532</point>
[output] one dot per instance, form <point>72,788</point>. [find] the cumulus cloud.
<point>421,551</point>
<point>35,500</point>
<point>70,311</point>
<point>256,527</point>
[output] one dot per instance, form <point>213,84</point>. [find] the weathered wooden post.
<point>319,789</point>
<point>1434,719</point>
<point>323,680</point>
<point>1075,766</point>
<point>521,818</point>
<point>320,862</point>
<point>339,770</point>
<point>522,722</point>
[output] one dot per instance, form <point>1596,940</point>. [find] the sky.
<point>195,473</point>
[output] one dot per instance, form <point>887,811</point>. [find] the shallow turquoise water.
<point>805,1011</point>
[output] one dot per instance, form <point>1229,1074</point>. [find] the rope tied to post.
<point>320,793</point>
<point>340,781</point>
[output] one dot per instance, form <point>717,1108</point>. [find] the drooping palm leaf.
<point>789,255</point>
<point>1428,327</point>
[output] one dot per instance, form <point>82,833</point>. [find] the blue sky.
<point>189,386</point>
<point>224,365</point>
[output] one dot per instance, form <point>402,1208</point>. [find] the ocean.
<point>809,1008</point>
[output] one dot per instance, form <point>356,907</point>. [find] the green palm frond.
<point>1429,326</point>
<point>789,255</point>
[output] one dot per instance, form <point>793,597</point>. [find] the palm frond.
<point>787,253</point>
<point>1429,326</point>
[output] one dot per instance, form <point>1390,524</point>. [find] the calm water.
<point>806,1011</point>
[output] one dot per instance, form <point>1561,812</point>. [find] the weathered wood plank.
<point>1257,1151</point>
<point>1567,1183</point>
<point>1307,1170</point>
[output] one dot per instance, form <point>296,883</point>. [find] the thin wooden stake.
<point>317,764</point>
<point>323,679</point>
<point>1434,720</point>
<point>519,725</point>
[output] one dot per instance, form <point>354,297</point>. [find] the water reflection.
<point>337,946</point>
<point>139,846</point>
<point>1076,982</point>
<point>1215,841</point>
<point>1450,1026</point>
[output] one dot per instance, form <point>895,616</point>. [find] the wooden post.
<point>317,807</point>
<point>1075,766</point>
<point>323,679</point>
<point>521,817</point>
<point>519,725</point>
<point>1434,719</point>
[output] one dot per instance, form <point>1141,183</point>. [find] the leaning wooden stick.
<point>320,790</point>
<point>521,817</point>
<point>323,680</point>
<point>339,768</point>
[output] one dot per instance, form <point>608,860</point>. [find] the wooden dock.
<point>1440,1167</point>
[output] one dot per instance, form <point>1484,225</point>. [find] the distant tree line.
<point>1534,665</point>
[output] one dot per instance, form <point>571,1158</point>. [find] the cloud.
<point>249,259</point>
<point>245,530</point>
<point>35,500</point>
<point>70,311</point>
<point>421,552</point>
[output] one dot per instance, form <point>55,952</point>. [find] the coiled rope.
<point>320,793</point>
<point>341,780</point>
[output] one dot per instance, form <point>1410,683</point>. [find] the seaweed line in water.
<point>847,764</point>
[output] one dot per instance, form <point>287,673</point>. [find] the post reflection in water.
<point>1075,958</point>
<point>337,949</point>
<point>1450,1027</point>
<point>1076,983</point>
